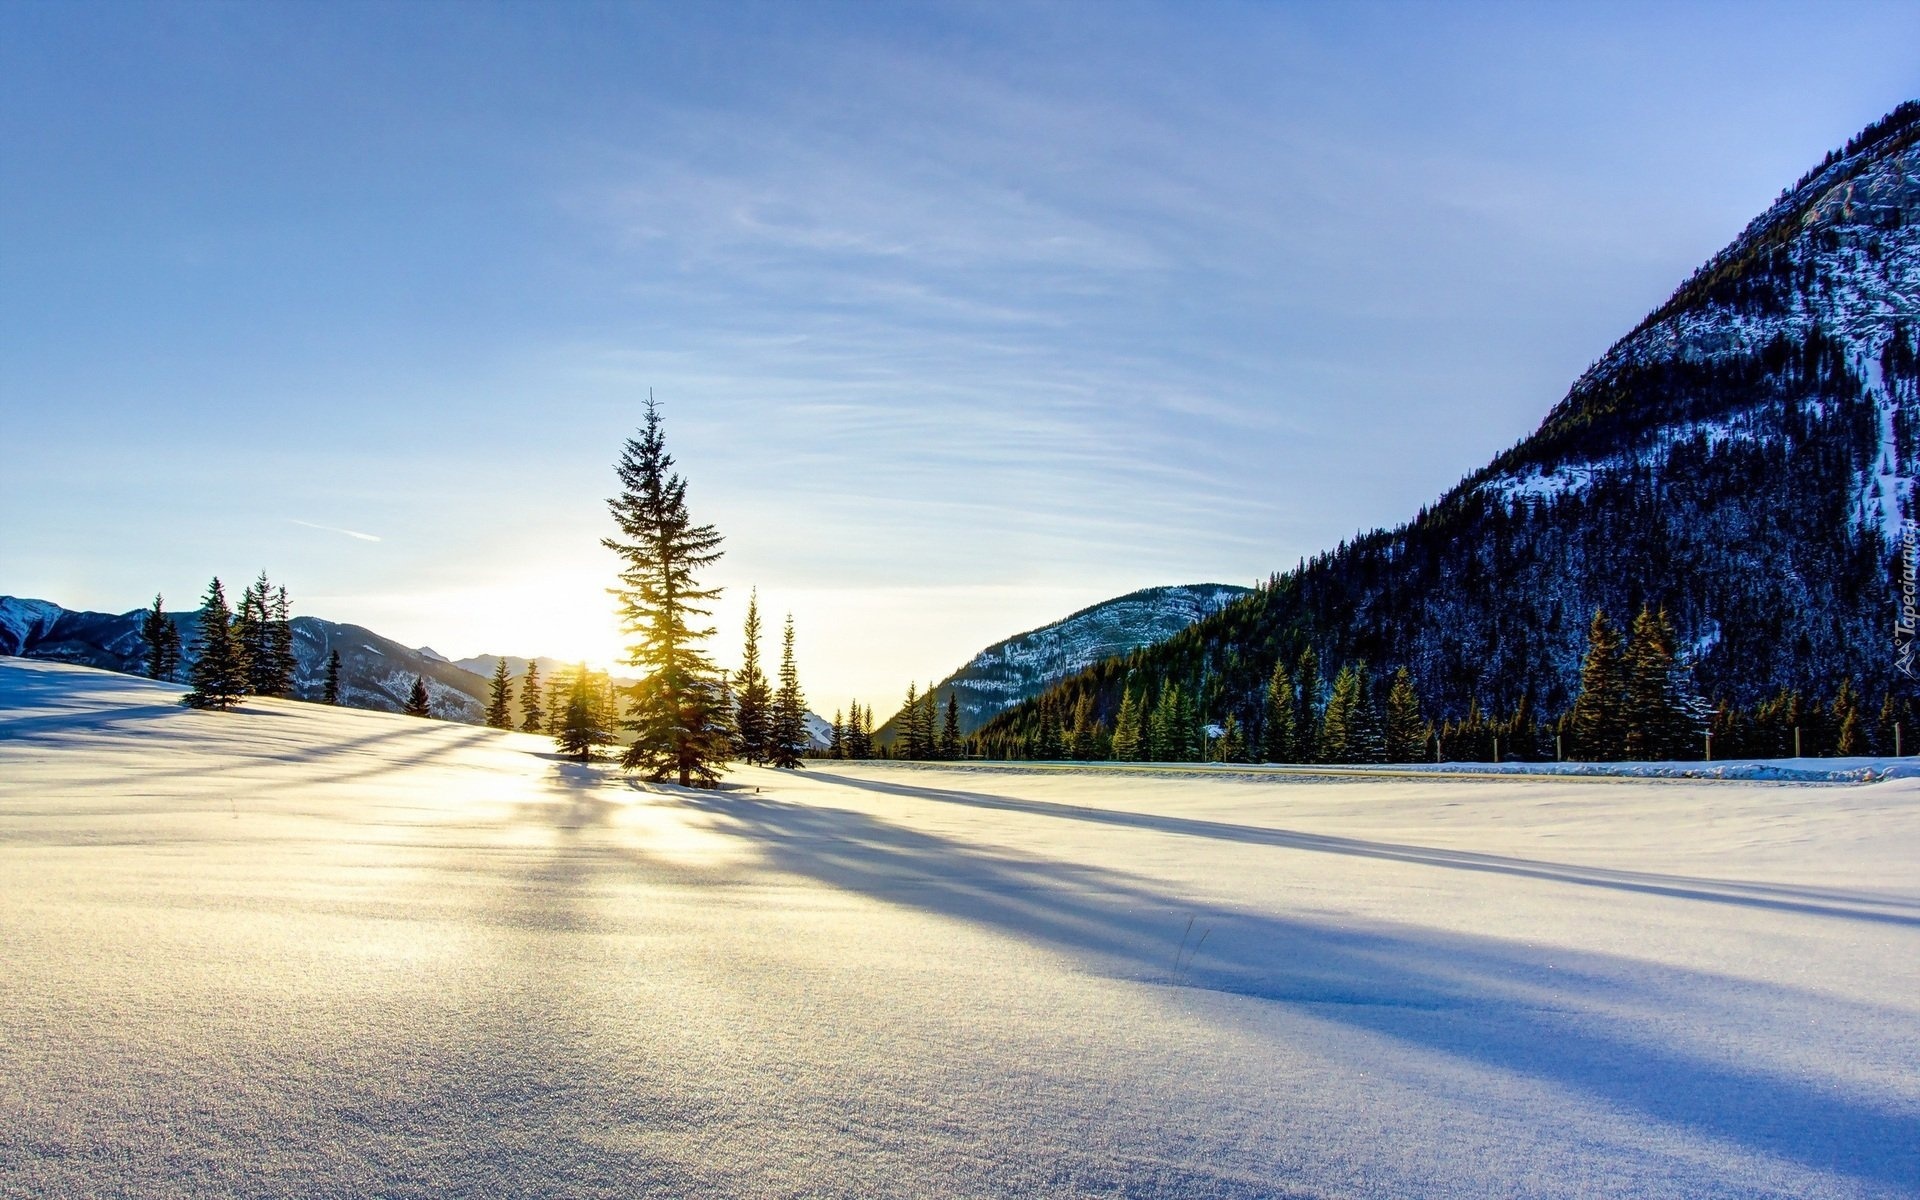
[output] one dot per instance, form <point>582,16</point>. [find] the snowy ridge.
<point>1024,665</point>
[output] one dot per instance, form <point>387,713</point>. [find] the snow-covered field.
<point>294,951</point>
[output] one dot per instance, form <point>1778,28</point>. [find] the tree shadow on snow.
<point>1586,1022</point>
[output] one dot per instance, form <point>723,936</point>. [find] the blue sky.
<point>962,316</point>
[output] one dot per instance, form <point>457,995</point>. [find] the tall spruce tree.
<point>1127,729</point>
<point>1663,718</point>
<point>1599,712</point>
<point>950,727</point>
<point>163,642</point>
<point>330,691</point>
<point>499,695</point>
<point>789,723</point>
<point>219,671</point>
<point>532,715</point>
<point>753,718</point>
<point>1080,740</point>
<point>680,713</point>
<point>1406,727</point>
<point>837,740</point>
<point>1308,716</point>
<point>419,703</point>
<point>277,643</point>
<point>1279,740</point>
<point>1340,735</point>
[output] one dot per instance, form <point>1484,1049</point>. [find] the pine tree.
<point>837,742</point>
<point>1341,738</point>
<point>1664,719</point>
<point>1308,716</point>
<point>1369,727</point>
<point>556,701</point>
<point>583,726</point>
<point>950,728</point>
<point>419,703</point>
<point>1279,740</point>
<point>1162,745</point>
<point>1127,729</point>
<point>908,721</point>
<point>250,634</point>
<point>1233,744</point>
<point>330,692</point>
<point>163,642</point>
<point>789,721</point>
<point>219,671</point>
<point>1406,727</point>
<point>1599,712</point>
<point>753,739</point>
<point>1849,732</point>
<point>929,719</point>
<point>1189,738</point>
<point>532,716</point>
<point>498,694</point>
<point>680,712</point>
<point>278,644</point>
<point>1081,740</point>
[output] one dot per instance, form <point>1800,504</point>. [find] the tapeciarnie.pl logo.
<point>1906,628</point>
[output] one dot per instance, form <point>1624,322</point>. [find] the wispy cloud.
<point>352,533</point>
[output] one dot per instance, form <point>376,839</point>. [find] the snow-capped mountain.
<point>1024,665</point>
<point>1744,457</point>
<point>375,672</point>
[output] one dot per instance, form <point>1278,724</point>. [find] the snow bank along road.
<point>296,951</point>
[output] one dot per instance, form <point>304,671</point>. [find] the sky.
<point>961,316</point>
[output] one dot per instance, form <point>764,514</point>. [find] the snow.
<point>295,950</point>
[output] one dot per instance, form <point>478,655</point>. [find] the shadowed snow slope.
<point>292,950</point>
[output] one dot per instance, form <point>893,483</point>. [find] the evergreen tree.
<point>680,712</point>
<point>1663,719</point>
<point>789,723</point>
<point>1162,742</point>
<point>837,743</point>
<point>929,720</point>
<point>1189,738</point>
<point>419,703</point>
<point>906,738</point>
<point>753,738</point>
<point>1127,731</point>
<point>1308,716</point>
<point>558,688</point>
<point>1599,713</point>
<point>330,692</point>
<point>532,716</point>
<point>1081,741</point>
<point>163,642</point>
<point>250,618</point>
<point>219,671</point>
<point>583,727</point>
<point>1849,731</point>
<point>1233,744</point>
<point>1279,741</point>
<point>950,728</point>
<point>277,639</point>
<point>498,694</point>
<point>1369,737</point>
<point>1340,738</point>
<point>1406,727</point>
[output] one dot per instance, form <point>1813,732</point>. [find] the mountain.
<point>1021,666</point>
<point>375,672</point>
<point>1744,457</point>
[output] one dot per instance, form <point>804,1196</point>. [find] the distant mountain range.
<point>1745,457</point>
<point>1024,665</point>
<point>375,672</point>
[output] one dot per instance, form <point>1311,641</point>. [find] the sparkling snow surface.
<point>295,951</point>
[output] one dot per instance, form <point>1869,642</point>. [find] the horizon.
<point>1008,334</point>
